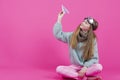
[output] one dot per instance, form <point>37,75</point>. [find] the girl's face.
<point>85,26</point>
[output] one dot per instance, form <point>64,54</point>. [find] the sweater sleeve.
<point>95,58</point>
<point>59,34</point>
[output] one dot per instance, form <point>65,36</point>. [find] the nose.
<point>82,23</point>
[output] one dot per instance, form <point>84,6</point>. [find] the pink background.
<point>26,37</point>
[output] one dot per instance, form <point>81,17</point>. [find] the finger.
<point>61,12</point>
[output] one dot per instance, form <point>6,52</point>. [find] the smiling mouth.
<point>81,29</point>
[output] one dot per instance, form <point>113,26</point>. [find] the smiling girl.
<point>83,50</point>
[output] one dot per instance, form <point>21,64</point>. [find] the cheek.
<point>87,27</point>
<point>80,26</point>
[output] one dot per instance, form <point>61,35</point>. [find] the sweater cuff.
<point>86,64</point>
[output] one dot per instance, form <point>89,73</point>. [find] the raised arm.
<point>57,30</point>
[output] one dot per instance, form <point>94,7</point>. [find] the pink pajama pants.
<point>72,70</point>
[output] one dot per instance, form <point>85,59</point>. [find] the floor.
<point>38,74</point>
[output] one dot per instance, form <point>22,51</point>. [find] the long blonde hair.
<point>89,47</point>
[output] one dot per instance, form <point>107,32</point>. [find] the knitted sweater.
<point>75,54</point>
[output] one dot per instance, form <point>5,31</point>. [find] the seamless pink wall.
<point>26,37</point>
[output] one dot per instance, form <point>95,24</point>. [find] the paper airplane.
<point>65,10</point>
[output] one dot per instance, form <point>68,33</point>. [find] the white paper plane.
<point>64,9</point>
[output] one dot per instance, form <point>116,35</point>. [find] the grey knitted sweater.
<point>75,54</point>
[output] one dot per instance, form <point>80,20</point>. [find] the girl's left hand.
<point>82,72</point>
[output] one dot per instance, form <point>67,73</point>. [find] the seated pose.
<point>83,50</point>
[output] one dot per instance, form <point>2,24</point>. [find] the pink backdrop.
<point>26,38</point>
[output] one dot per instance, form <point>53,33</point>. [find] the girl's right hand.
<point>82,72</point>
<point>60,16</point>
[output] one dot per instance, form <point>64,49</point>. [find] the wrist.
<point>59,21</point>
<point>84,68</point>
